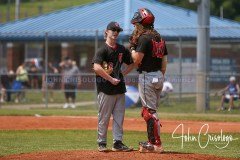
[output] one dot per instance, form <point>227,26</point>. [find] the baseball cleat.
<point>221,109</point>
<point>146,147</point>
<point>118,146</point>
<point>158,149</point>
<point>102,147</point>
<point>66,105</point>
<point>72,105</point>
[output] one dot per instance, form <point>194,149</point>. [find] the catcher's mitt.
<point>132,43</point>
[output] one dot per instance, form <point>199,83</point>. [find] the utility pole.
<point>221,12</point>
<point>203,56</point>
<point>8,11</point>
<point>17,9</point>
<point>127,10</point>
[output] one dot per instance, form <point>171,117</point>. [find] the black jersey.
<point>114,57</point>
<point>151,48</point>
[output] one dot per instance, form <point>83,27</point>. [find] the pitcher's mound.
<point>95,155</point>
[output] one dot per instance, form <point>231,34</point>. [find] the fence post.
<point>8,11</point>
<point>17,9</point>
<point>203,49</point>
<point>1,17</point>
<point>180,68</point>
<point>95,85</point>
<point>1,54</point>
<point>46,69</point>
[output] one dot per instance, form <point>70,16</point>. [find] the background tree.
<point>230,7</point>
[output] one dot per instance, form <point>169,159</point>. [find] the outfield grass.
<point>35,97</point>
<point>17,142</point>
<point>31,8</point>
<point>130,113</point>
<point>175,110</point>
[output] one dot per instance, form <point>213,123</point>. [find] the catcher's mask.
<point>143,16</point>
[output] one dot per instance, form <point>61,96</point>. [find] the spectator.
<point>33,75</point>
<point>6,86</point>
<point>2,93</point>
<point>233,92</point>
<point>167,88</point>
<point>49,82</point>
<point>70,81</point>
<point>22,77</point>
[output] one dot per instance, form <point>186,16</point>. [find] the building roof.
<point>82,22</point>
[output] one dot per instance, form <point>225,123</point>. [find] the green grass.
<point>130,113</point>
<point>80,111</point>
<point>31,8</point>
<point>17,142</point>
<point>35,97</point>
<point>184,110</point>
<point>175,110</point>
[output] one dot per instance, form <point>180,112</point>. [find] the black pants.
<point>70,91</point>
<point>8,94</point>
<point>5,81</point>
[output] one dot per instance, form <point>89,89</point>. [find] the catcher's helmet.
<point>143,16</point>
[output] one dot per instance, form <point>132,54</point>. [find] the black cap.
<point>114,25</point>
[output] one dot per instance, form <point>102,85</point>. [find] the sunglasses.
<point>116,30</point>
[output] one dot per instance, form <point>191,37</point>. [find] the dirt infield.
<point>90,123</point>
<point>94,155</point>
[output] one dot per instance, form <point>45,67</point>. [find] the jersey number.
<point>158,48</point>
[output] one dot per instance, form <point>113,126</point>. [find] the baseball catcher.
<point>149,54</point>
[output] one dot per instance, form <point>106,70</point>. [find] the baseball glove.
<point>108,69</point>
<point>132,43</point>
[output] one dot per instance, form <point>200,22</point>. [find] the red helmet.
<point>143,16</point>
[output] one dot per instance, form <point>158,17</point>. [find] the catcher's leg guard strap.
<point>153,125</point>
<point>147,113</point>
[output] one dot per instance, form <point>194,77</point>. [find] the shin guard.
<point>153,125</point>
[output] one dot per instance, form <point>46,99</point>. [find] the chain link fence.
<point>41,52</point>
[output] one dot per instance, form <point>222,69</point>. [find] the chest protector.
<point>158,48</point>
